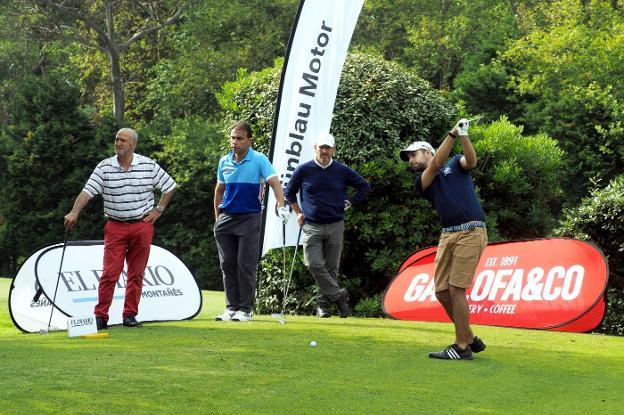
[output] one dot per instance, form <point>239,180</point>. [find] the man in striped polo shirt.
<point>448,185</point>
<point>126,182</point>
<point>237,206</point>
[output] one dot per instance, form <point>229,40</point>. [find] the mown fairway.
<point>360,366</point>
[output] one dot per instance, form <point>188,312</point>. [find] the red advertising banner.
<point>555,284</point>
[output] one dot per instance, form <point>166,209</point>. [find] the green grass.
<point>361,366</point>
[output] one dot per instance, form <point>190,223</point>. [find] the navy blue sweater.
<point>324,191</point>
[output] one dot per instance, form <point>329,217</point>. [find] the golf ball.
<point>313,343</point>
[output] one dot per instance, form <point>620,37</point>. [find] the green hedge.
<point>380,107</point>
<point>598,218</point>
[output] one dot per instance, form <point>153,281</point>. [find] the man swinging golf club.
<point>323,183</point>
<point>126,182</point>
<point>448,185</point>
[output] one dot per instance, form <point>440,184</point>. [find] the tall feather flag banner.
<point>311,73</point>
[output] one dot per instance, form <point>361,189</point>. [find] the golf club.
<point>58,278</point>
<point>475,119</point>
<point>284,254</point>
<point>280,316</point>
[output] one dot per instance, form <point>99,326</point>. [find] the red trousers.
<point>130,242</point>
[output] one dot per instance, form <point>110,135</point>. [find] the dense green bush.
<point>190,152</point>
<point>48,152</point>
<point>613,322</point>
<point>380,107</point>
<point>369,307</point>
<point>599,219</point>
<point>518,177</point>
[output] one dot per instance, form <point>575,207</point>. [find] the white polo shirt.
<point>128,195</point>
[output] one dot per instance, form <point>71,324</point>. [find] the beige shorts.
<point>457,258</point>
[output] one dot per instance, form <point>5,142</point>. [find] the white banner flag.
<point>312,68</point>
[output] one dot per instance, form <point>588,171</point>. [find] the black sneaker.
<point>477,345</point>
<point>323,312</point>
<point>343,303</point>
<point>100,323</point>
<point>131,321</point>
<point>453,352</point>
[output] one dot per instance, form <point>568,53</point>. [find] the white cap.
<point>415,146</point>
<point>325,139</point>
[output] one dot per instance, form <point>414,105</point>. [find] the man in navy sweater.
<point>322,184</point>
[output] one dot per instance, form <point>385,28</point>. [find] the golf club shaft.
<point>58,278</point>
<point>284,255</point>
<point>292,268</point>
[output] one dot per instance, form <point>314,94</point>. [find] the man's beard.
<point>419,167</point>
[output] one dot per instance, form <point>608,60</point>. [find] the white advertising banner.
<point>169,289</point>
<point>312,68</point>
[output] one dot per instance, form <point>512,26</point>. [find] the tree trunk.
<point>119,106</point>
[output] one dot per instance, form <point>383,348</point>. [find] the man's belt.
<point>464,226</point>
<point>125,221</point>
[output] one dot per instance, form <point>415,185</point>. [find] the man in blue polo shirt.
<point>323,183</point>
<point>448,185</point>
<point>237,206</point>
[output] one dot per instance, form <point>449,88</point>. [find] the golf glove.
<point>347,205</point>
<point>284,213</point>
<point>462,126</point>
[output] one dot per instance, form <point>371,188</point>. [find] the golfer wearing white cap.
<point>448,185</point>
<point>323,183</point>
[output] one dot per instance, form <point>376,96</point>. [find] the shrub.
<point>518,177</point>
<point>369,307</point>
<point>190,153</point>
<point>598,218</point>
<point>380,107</point>
<point>47,154</point>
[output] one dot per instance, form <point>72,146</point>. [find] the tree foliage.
<point>216,40</point>
<point>48,152</point>
<point>563,79</point>
<point>109,26</point>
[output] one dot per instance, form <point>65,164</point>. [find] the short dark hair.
<point>243,126</point>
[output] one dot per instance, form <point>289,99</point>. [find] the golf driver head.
<point>48,330</point>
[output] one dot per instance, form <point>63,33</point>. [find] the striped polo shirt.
<point>128,195</point>
<point>244,181</point>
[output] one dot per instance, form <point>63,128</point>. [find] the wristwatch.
<point>160,209</point>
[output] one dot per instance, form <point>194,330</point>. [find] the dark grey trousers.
<point>322,247</point>
<point>238,243</point>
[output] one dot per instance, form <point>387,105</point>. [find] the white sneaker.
<point>226,315</point>
<point>242,316</point>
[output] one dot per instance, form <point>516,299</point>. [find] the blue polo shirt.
<point>452,194</point>
<point>244,181</point>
